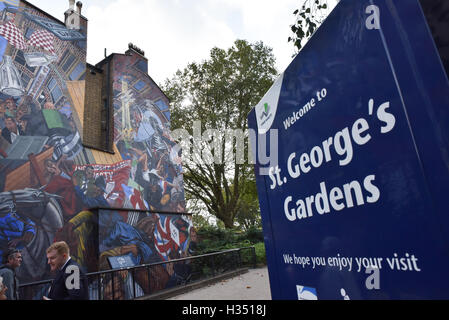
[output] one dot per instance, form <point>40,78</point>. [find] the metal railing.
<point>134,282</point>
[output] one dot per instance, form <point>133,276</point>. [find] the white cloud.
<point>171,34</point>
<point>175,32</point>
<point>270,22</point>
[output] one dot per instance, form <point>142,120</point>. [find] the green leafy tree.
<point>220,92</point>
<point>200,221</point>
<point>308,18</point>
<point>248,215</point>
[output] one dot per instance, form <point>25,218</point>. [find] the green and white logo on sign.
<point>267,110</point>
<point>267,107</point>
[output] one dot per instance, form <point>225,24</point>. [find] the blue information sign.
<point>352,160</point>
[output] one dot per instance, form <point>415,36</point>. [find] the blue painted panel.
<point>361,177</point>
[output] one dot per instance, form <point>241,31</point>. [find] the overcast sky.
<point>175,32</point>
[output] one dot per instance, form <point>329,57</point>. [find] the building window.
<point>142,66</point>
<point>54,90</point>
<point>25,80</point>
<point>140,85</point>
<point>68,63</point>
<point>20,59</point>
<point>82,44</point>
<point>26,72</point>
<point>78,71</point>
<point>161,105</point>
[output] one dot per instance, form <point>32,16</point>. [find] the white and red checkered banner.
<point>42,39</point>
<point>14,36</point>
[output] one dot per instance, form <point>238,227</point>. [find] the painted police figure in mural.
<point>28,221</point>
<point>15,231</point>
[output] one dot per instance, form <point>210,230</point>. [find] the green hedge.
<point>213,239</point>
<point>260,253</point>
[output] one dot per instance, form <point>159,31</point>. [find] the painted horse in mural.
<point>29,220</point>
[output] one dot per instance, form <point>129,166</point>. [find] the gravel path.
<point>253,285</point>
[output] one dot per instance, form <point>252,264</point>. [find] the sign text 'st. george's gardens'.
<point>355,205</point>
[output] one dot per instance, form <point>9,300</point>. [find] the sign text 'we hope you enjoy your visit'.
<point>352,160</point>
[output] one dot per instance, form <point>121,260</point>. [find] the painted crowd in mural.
<point>49,181</point>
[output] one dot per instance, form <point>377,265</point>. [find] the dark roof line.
<point>92,67</point>
<point>110,57</point>
<point>46,13</point>
<point>42,11</point>
<point>97,66</point>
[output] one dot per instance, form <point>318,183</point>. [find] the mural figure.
<point>29,220</point>
<point>52,188</point>
<point>147,239</point>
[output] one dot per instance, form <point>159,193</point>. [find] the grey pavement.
<point>253,285</point>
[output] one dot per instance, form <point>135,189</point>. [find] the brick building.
<point>86,151</point>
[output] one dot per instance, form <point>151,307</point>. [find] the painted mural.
<point>136,238</point>
<point>40,139</point>
<point>49,182</point>
<point>142,135</point>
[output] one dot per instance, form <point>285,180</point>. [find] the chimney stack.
<point>79,6</point>
<point>74,19</point>
<point>134,48</point>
